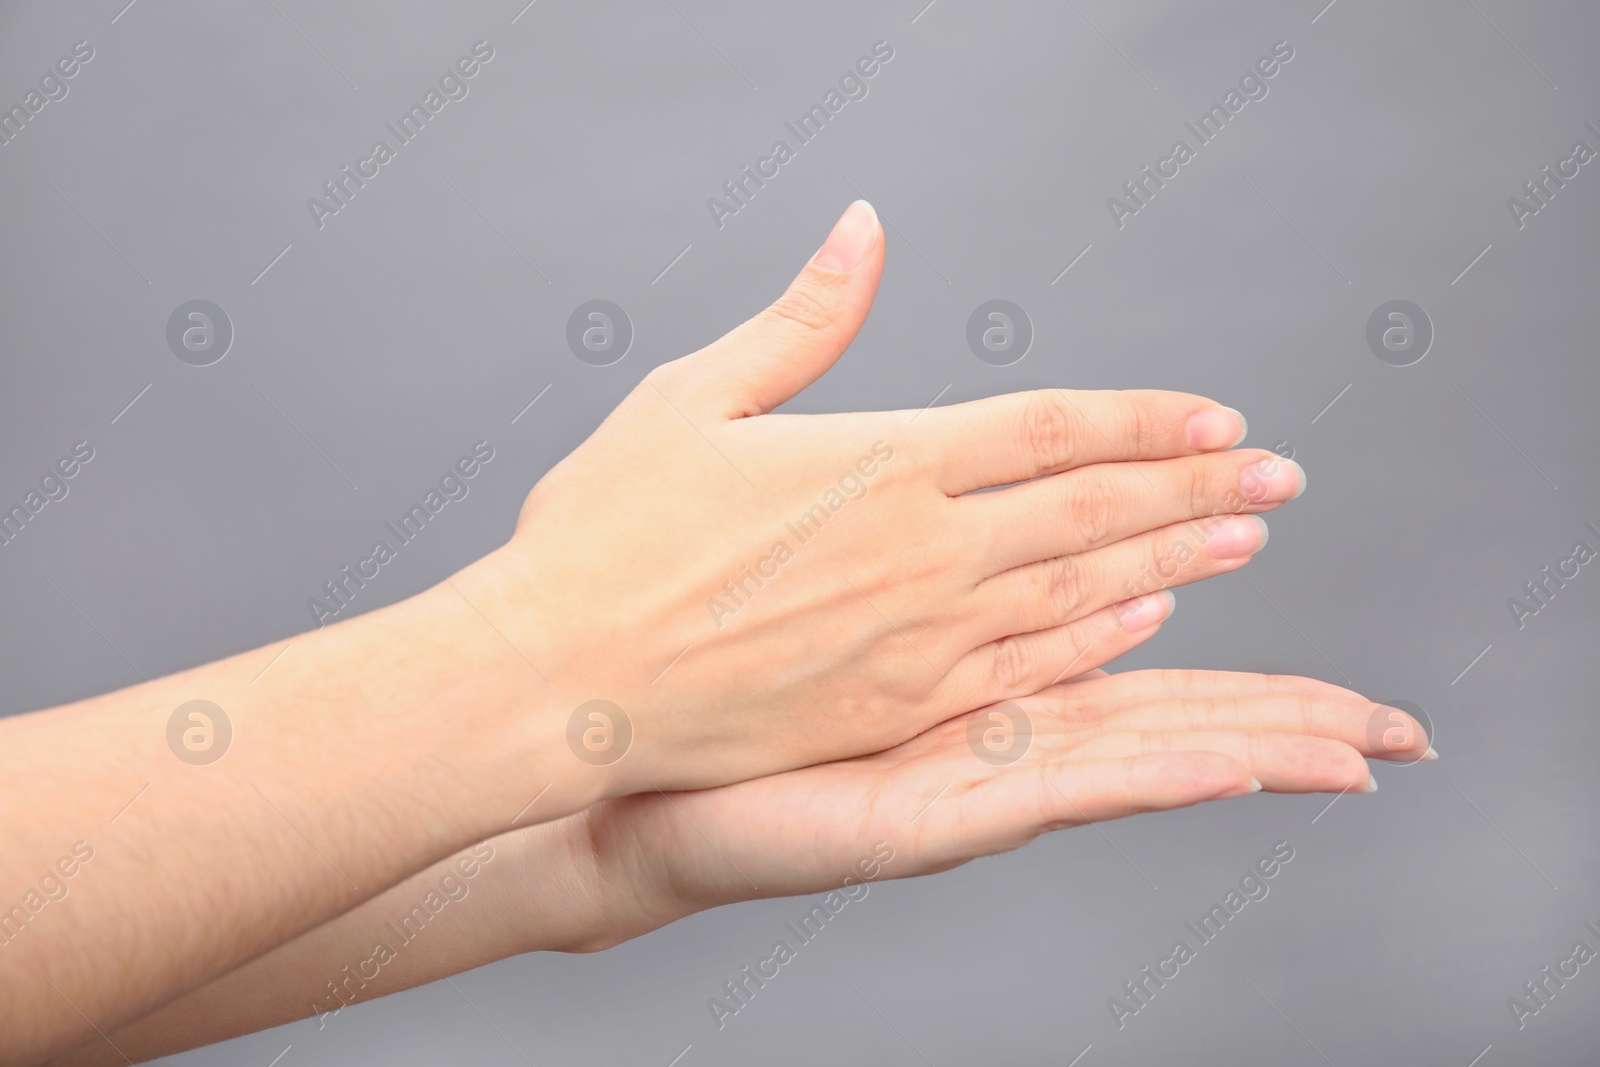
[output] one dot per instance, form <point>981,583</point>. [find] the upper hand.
<point>759,592</point>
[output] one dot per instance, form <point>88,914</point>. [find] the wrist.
<point>631,889</point>
<point>546,695</point>
<point>477,707</point>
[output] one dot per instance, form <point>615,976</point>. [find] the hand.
<point>759,592</point>
<point>1102,747</point>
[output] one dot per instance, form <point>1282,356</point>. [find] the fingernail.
<point>1272,481</point>
<point>1215,428</point>
<point>851,239</point>
<point>1430,754</point>
<point>1252,786</point>
<point>1143,612</point>
<point>1372,784</point>
<point>1240,535</point>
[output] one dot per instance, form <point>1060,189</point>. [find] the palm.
<point>1101,747</point>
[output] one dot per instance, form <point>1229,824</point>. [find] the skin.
<point>1103,747</point>
<point>381,745</point>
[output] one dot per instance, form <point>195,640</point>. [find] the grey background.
<point>424,317</point>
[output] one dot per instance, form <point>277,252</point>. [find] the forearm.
<point>339,782</point>
<point>523,891</point>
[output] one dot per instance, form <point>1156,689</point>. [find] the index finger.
<point>1006,439</point>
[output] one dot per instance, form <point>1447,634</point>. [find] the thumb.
<point>773,356</point>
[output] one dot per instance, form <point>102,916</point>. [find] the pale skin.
<point>375,748</point>
<point>1103,747</point>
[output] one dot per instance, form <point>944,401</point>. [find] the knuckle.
<point>1200,490</point>
<point>1091,504</point>
<point>1065,587</point>
<point>1309,717</point>
<point>1047,431</point>
<point>1011,662</point>
<point>1167,555</point>
<point>806,304</point>
<point>1140,427</point>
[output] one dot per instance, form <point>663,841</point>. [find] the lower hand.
<point>1102,747</point>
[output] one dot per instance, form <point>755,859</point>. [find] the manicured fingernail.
<point>1372,784</point>
<point>1214,428</point>
<point>1272,481</point>
<point>1240,535</point>
<point>852,238</point>
<point>1430,754</point>
<point>1143,612</point>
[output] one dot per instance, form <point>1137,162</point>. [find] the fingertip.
<point>851,239</point>
<point>1302,472</point>
<point>1251,784</point>
<point>1147,611</point>
<point>1237,537</point>
<point>1215,428</point>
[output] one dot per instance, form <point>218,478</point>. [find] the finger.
<point>1087,699</point>
<point>1008,809</point>
<point>1283,763</point>
<point>1012,438</point>
<point>1065,794</point>
<point>1023,664</point>
<point>1175,699</point>
<point>1147,685</point>
<point>1054,592</point>
<point>768,359</point>
<point>1104,503</point>
<point>1375,731</point>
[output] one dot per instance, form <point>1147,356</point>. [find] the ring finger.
<point>1057,591</point>
<point>1104,503</point>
